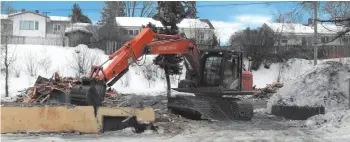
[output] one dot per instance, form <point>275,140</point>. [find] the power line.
<point>238,4</point>
<point>212,5</point>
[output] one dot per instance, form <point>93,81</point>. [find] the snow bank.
<point>287,71</point>
<point>64,60</point>
<point>325,85</point>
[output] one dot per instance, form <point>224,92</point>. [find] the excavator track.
<point>211,108</point>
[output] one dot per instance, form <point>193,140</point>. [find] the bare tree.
<point>149,71</point>
<point>140,8</point>
<point>46,63</point>
<point>31,64</point>
<point>83,59</point>
<point>337,9</point>
<point>17,69</point>
<point>7,57</point>
<point>257,44</point>
<point>7,7</point>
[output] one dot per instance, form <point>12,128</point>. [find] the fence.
<point>324,51</point>
<point>54,41</point>
<point>112,46</point>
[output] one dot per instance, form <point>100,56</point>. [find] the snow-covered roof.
<point>53,18</point>
<point>139,21</point>
<point>304,29</point>
<point>3,16</point>
<point>20,13</point>
<point>78,27</point>
<point>60,18</point>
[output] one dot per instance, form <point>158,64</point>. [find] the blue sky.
<point>226,19</point>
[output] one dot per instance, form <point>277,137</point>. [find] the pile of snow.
<point>325,85</point>
<point>45,60</point>
<point>334,119</point>
<point>285,71</point>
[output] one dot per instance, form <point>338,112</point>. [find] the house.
<point>27,27</point>
<point>199,29</point>
<point>34,24</point>
<point>300,34</point>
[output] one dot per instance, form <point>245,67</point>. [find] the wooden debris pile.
<point>47,90</point>
<point>268,91</point>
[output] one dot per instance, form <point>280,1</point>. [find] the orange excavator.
<point>214,76</point>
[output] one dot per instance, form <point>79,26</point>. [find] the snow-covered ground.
<point>45,60</point>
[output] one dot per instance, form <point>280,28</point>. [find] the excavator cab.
<point>215,95</point>
<point>221,67</point>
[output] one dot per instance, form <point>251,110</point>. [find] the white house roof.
<point>60,18</point>
<point>303,29</point>
<point>139,21</point>
<point>3,16</point>
<point>53,18</point>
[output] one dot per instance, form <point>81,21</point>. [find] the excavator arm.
<point>146,42</point>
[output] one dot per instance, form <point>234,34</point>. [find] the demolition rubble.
<point>45,90</point>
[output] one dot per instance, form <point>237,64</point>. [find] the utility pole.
<point>315,32</point>
<point>45,13</point>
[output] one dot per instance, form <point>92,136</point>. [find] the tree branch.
<point>335,20</point>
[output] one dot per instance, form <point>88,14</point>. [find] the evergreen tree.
<point>192,9</point>
<point>78,16</point>
<point>109,29</point>
<point>111,10</point>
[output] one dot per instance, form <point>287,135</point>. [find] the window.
<point>309,41</point>
<point>324,39</point>
<point>29,25</point>
<point>346,40</point>
<point>131,32</point>
<point>36,25</point>
<point>136,32</point>
<point>284,41</point>
<point>303,41</point>
<point>201,35</point>
<point>56,27</point>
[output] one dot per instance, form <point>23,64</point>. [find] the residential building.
<point>27,27</point>
<point>300,34</point>
<point>34,24</point>
<point>199,29</point>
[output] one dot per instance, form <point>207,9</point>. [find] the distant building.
<point>300,34</point>
<point>79,33</point>
<point>199,29</point>
<point>27,27</point>
<point>34,24</point>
